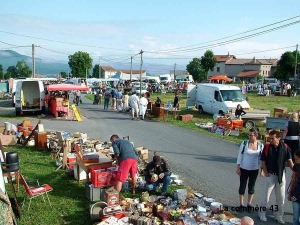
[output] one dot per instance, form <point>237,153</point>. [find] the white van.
<point>211,98</point>
<point>187,78</point>
<point>29,97</point>
<point>164,79</point>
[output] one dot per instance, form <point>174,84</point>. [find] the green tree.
<point>79,62</point>
<point>286,65</point>
<point>23,69</point>
<point>12,71</point>
<point>63,74</point>
<point>1,72</point>
<point>195,69</point>
<point>208,61</point>
<point>96,72</point>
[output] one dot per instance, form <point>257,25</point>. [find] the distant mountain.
<point>42,66</point>
<point>52,67</point>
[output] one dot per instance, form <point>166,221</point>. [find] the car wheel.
<point>200,109</point>
<point>249,124</point>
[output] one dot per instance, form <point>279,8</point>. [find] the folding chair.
<point>33,192</point>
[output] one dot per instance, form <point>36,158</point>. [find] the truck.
<point>29,97</point>
<point>165,78</point>
<point>185,78</point>
<point>213,98</point>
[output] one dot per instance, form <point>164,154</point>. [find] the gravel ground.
<point>205,163</point>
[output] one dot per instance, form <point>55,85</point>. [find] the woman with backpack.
<point>248,163</point>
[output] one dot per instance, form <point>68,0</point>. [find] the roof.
<point>220,86</point>
<point>249,73</point>
<point>224,58</point>
<point>251,61</point>
<point>108,68</point>
<point>133,71</point>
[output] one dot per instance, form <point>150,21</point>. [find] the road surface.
<point>205,163</point>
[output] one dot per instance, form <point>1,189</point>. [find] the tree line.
<point>80,63</point>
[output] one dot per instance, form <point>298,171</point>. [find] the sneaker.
<point>279,219</point>
<point>262,217</point>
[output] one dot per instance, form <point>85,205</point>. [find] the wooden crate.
<point>186,117</point>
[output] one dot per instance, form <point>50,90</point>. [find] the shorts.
<point>135,108</point>
<point>125,167</point>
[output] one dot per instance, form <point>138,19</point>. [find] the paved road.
<point>205,163</point>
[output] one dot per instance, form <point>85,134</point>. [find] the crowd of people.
<point>271,159</point>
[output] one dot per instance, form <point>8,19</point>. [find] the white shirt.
<point>134,100</point>
<point>250,159</point>
<point>143,102</point>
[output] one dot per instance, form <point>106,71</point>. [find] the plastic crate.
<point>105,178</point>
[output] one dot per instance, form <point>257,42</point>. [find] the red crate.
<point>103,178</point>
<point>71,161</point>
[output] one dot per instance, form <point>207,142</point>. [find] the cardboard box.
<point>94,193</point>
<point>186,118</point>
<point>142,150</point>
<point>111,197</point>
<point>8,139</point>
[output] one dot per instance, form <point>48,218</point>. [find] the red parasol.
<point>66,87</point>
<point>221,77</point>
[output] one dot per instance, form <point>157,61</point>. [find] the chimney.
<point>254,60</point>
<point>228,54</point>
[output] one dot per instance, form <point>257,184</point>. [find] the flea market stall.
<point>58,98</point>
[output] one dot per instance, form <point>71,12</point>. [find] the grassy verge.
<point>255,101</point>
<point>69,203</point>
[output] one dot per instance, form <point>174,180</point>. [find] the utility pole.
<point>141,53</point>
<point>99,69</point>
<point>33,62</point>
<point>174,71</point>
<point>296,62</point>
<point>131,68</point>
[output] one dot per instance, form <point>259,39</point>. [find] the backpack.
<point>268,147</point>
<point>244,145</point>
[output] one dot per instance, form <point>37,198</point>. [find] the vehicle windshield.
<point>152,81</point>
<point>232,95</point>
<point>163,78</point>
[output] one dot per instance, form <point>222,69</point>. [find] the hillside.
<point>51,67</point>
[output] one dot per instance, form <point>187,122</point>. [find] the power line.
<point>229,41</point>
<point>238,33</point>
<point>63,42</point>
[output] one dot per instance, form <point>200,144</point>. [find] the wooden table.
<point>103,161</point>
<point>166,113</point>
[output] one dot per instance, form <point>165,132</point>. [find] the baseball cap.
<point>156,159</point>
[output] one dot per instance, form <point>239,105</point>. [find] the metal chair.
<point>37,190</point>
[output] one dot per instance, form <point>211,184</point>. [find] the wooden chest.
<point>40,139</point>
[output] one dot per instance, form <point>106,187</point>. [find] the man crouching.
<point>157,172</point>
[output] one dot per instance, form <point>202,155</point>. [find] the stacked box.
<point>94,193</point>
<point>111,196</point>
<point>186,118</point>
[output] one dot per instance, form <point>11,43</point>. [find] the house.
<point>249,69</point>
<point>109,72</point>
<point>135,74</point>
<point>243,69</point>
<point>220,65</point>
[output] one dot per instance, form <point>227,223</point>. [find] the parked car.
<point>137,84</point>
<point>137,89</point>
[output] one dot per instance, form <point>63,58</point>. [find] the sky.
<point>168,32</point>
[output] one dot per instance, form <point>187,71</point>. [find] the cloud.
<point>2,53</point>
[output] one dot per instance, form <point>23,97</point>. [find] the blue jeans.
<point>165,181</point>
<point>296,212</point>
<point>106,102</point>
<point>77,100</point>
